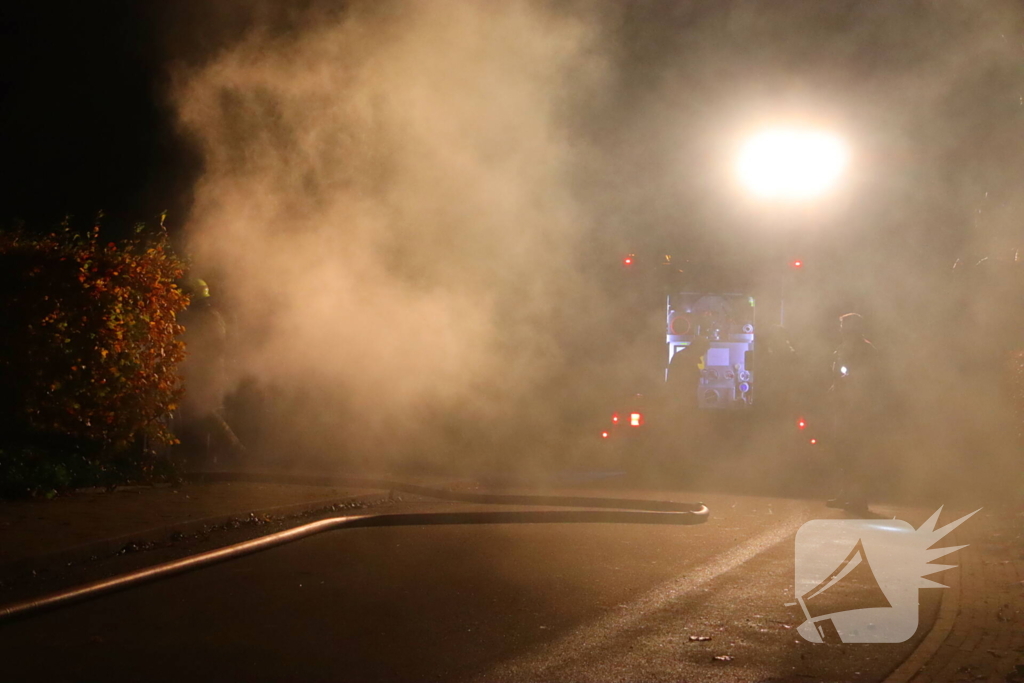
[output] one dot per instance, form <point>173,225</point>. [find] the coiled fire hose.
<point>612,511</point>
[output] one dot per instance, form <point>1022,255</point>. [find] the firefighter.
<point>778,373</point>
<point>684,372</point>
<point>203,428</point>
<point>856,395</point>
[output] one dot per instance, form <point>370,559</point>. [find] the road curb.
<point>949,608</point>
<point>112,546</point>
<point>310,479</point>
<point>17,569</point>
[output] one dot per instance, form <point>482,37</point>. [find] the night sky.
<point>82,125</point>
<point>85,119</point>
<point>931,91</point>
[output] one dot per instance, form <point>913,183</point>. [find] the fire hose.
<point>616,511</point>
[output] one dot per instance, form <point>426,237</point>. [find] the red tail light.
<point>801,423</point>
<point>604,435</point>
<point>615,418</point>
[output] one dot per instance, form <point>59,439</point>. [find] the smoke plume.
<point>385,207</point>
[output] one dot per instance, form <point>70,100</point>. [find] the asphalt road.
<point>602,602</point>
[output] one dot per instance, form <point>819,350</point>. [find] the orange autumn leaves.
<point>91,343</point>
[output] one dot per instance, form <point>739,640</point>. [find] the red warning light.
<point>680,325</point>
<point>604,435</point>
<point>801,423</point>
<point>797,264</point>
<point>628,260</point>
<point>615,418</point>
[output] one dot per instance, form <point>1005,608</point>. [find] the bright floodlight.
<point>791,163</point>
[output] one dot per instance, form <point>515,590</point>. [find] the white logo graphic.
<point>857,580</point>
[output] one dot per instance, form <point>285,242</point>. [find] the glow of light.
<point>791,163</point>
<point>798,264</point>
<point>628,261</point>
<point>801,423</point>
<point>814,441</point>
<point>615,418</point>
<point>604,435</point>
<point>635,419</point>
<point>843,371</point>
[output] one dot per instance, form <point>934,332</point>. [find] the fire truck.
<point>725,325</point>
<point>712,375</point>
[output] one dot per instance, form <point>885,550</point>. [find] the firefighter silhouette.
<point>203,429</point>
<point>856,397</point>
<point>684,372</point>
<point>779,372</point>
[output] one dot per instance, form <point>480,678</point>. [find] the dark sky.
<point>931,90</point>
<point>82,127</point>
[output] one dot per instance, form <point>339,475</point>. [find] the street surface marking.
<point>596,637</point>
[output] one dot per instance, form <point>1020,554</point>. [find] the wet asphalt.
<point>558,602</point>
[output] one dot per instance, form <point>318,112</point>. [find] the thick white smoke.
<point>385,205</point>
